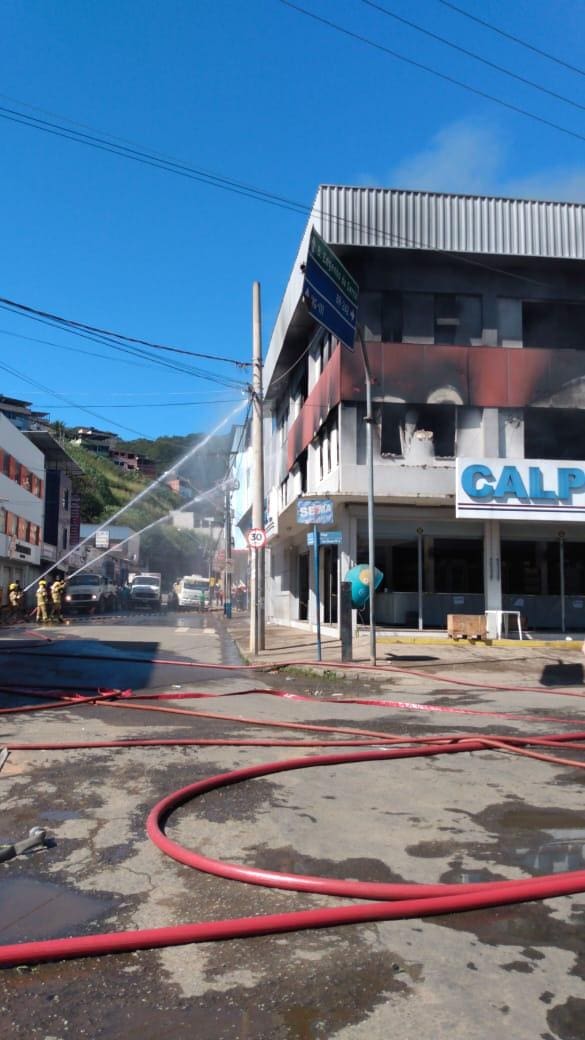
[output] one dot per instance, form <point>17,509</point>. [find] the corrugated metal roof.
<point>392,218</point>
<point>455,223</point>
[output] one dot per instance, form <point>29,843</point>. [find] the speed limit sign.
<point>256,538</point>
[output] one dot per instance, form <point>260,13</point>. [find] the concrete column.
<point>490,430</point>
<point>492,571</point>
<point>429,563</point>
<point>490,320</point>
<point>347,524</point>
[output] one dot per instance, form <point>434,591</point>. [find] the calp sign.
<point>539,489</point>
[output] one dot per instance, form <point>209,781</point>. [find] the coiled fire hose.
<point>384,901</point>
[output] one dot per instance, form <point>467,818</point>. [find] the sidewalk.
<point>293,646</point>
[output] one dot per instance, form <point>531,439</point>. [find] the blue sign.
<point>325,538</point>
<point>314,511</point>
<point>330,292</point>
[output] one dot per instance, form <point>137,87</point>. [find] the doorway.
<point>304,587</point>
<point>330,557</point>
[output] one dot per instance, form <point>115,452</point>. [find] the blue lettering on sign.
<point>470,477</point>
<point>570,480</point>
<point>479,482</point>
<point>537,490</point>
<point>511,483</point>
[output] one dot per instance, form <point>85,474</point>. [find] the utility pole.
<point>370,468</point>
<point>257,612</point>
<point>227,592</point>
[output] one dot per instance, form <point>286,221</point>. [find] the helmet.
<point>42,581</point>
<point>12,585</point>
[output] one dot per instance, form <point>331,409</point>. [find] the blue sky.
<point>252,90</point>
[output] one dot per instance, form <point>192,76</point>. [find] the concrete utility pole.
<point>227,592</point>
<point>257,614</point>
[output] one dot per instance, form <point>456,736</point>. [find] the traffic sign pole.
<point>257,610</point>
<point>370,465</point>
<point>317,589</point>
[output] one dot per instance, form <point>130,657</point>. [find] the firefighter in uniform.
<point>57,590</point>
<point>15,598</point>
<point>42,598</point>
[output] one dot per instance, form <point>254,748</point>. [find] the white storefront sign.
<point>520,489</point>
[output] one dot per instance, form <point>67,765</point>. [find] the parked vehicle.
<point>192,592</point>
<point>145,591</point>
<point>89,592</point>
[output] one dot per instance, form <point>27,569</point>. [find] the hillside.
<point>104,488</point>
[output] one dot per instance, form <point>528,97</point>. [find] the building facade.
<point>473,314</point>
<point>22,491</point>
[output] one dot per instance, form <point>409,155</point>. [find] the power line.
<point>82,326</point>
<point>515,39</point>
<point>434,72</point>
<point>472,54</point>
<point>73,350</point>
<point>298,207</point>
<point>88,411</point>
<point>164,404</point>
<point>146,158</point>
<point>224,381</point>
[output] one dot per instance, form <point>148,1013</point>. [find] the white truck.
<point>89,592</point>
<point>145,591</point>
<point>192,592</point>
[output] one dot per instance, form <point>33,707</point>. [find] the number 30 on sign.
<point>256,538</point>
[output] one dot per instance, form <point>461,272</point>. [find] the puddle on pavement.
<point>289,860</point>
<point>32,909</point>
<point>60,814</point>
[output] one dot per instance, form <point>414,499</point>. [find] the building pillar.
<point>492,572</point>
<point>347,524</point>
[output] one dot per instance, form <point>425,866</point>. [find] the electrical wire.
<point>428,68</point>
<point>472,54</point>
<point>510,36</point>
<point>137,352</point>
<point>78,325</point>
<point>147,158</point>
<point>88,411</point>
<point>217,180</point>
<point>293,205</point>
<point>149,405</point>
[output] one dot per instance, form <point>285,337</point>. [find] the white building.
<point>473,313</point>
<point>22,489</point>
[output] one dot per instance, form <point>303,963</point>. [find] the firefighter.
<point>42,598</point>
<point>57,590</point>
<point>15,598</point>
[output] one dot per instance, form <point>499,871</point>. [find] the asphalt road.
<point>516,971</point>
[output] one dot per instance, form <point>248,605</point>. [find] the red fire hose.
<point>397,901</point>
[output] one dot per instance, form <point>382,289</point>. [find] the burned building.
<point>473,314</point>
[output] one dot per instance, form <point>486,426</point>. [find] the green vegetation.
<point>104,488</point>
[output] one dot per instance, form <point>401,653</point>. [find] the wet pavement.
<point>517,970</point>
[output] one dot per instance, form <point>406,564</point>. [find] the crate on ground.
<point>466,626</point>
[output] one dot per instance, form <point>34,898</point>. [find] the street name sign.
<point>314,511</point>
<point>325,538</point>
<point>330,292</point>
